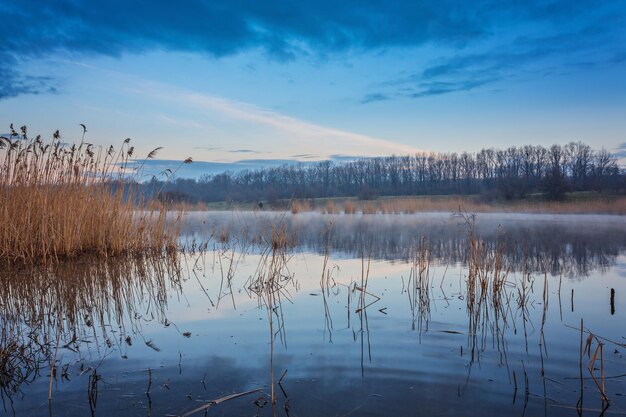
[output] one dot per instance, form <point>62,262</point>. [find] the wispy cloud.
<point>516,59</point>
<point>207,148</point>
<point>181,122</point>
<point>620,151</point>
<point>374,97</point>
<point>292,133</point>
<point>444,87</point>
<point>14,83</point>
<point>304,130</point>
<point>339,157</point>
<point>243,151</point>
<point>520,52</point>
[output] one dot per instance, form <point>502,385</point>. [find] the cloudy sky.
<point>236,80</point>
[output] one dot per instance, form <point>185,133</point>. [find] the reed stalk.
<point>59,201</point>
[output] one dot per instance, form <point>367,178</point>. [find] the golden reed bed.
<point>59,201</point>
<point>410,205</point>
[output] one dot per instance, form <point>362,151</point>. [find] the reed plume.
<point>59,201</point>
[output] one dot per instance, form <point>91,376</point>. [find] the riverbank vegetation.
<point>59,201</point>
<point>516,173</point>
<point>571,203</point>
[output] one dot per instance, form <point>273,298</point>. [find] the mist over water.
<point>359,314</point>
<point>569,244</point>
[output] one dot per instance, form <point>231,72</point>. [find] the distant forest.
<point>508,173</point>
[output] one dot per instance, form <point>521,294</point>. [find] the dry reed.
<point>330,208</point>
<point>369,208</point>
<point>421,204</point>
<point>298,206</point>
<point>270,284</point>
<point>418,286</point>
<point>411,205</point>
<point>59,201</point>
<point>486,295</point>
<point>349,207</point>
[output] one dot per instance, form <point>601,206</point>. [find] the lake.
<point>329,315</point>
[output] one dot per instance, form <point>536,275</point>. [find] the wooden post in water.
<point>612,301</point>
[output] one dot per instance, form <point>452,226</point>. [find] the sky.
<point>251,83</point>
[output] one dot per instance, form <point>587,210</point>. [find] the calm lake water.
<point>374,315</point>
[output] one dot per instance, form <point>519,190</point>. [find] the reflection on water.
<point>572,245</point>
<point>378,315</point>
<point>90,307</point>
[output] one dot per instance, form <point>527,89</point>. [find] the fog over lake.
<point>365,314</point>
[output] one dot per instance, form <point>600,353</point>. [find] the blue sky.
<point>310,80</point>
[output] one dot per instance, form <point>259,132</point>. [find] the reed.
<point>270,284</point>
<point>409,205</point>
<point>420,204</point>
<point>419,284</point>
<point>349,207</point>
<point>486,295</point>
<point>330,208</point>
<point>59,201</point>
<point>298,206</point>
<point>369,208</point>
<point>593,367</point>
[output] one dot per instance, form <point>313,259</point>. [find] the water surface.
<point>359,315</point>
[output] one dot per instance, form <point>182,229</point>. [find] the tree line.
<point>508,173</point>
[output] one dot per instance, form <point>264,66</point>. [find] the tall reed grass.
<point>349,207</point>
<point>298,206</point>
<point>411,205</point>
<point>59,201</point>
<point>331,208</point>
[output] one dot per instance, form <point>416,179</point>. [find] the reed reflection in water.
<point>90,303</point>
<point>255,323</point>
<point>573,245</point>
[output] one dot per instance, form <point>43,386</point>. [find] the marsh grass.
<point>369,208</point>
<point>486,292</point>
<point>330,208</point>
<point>271,284</point>
<point>615,205</point>
<point>298,206</point>
<point>59,201</point>
<point>419,284</point>
<point>349,207</point>
<point>594,204</point>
